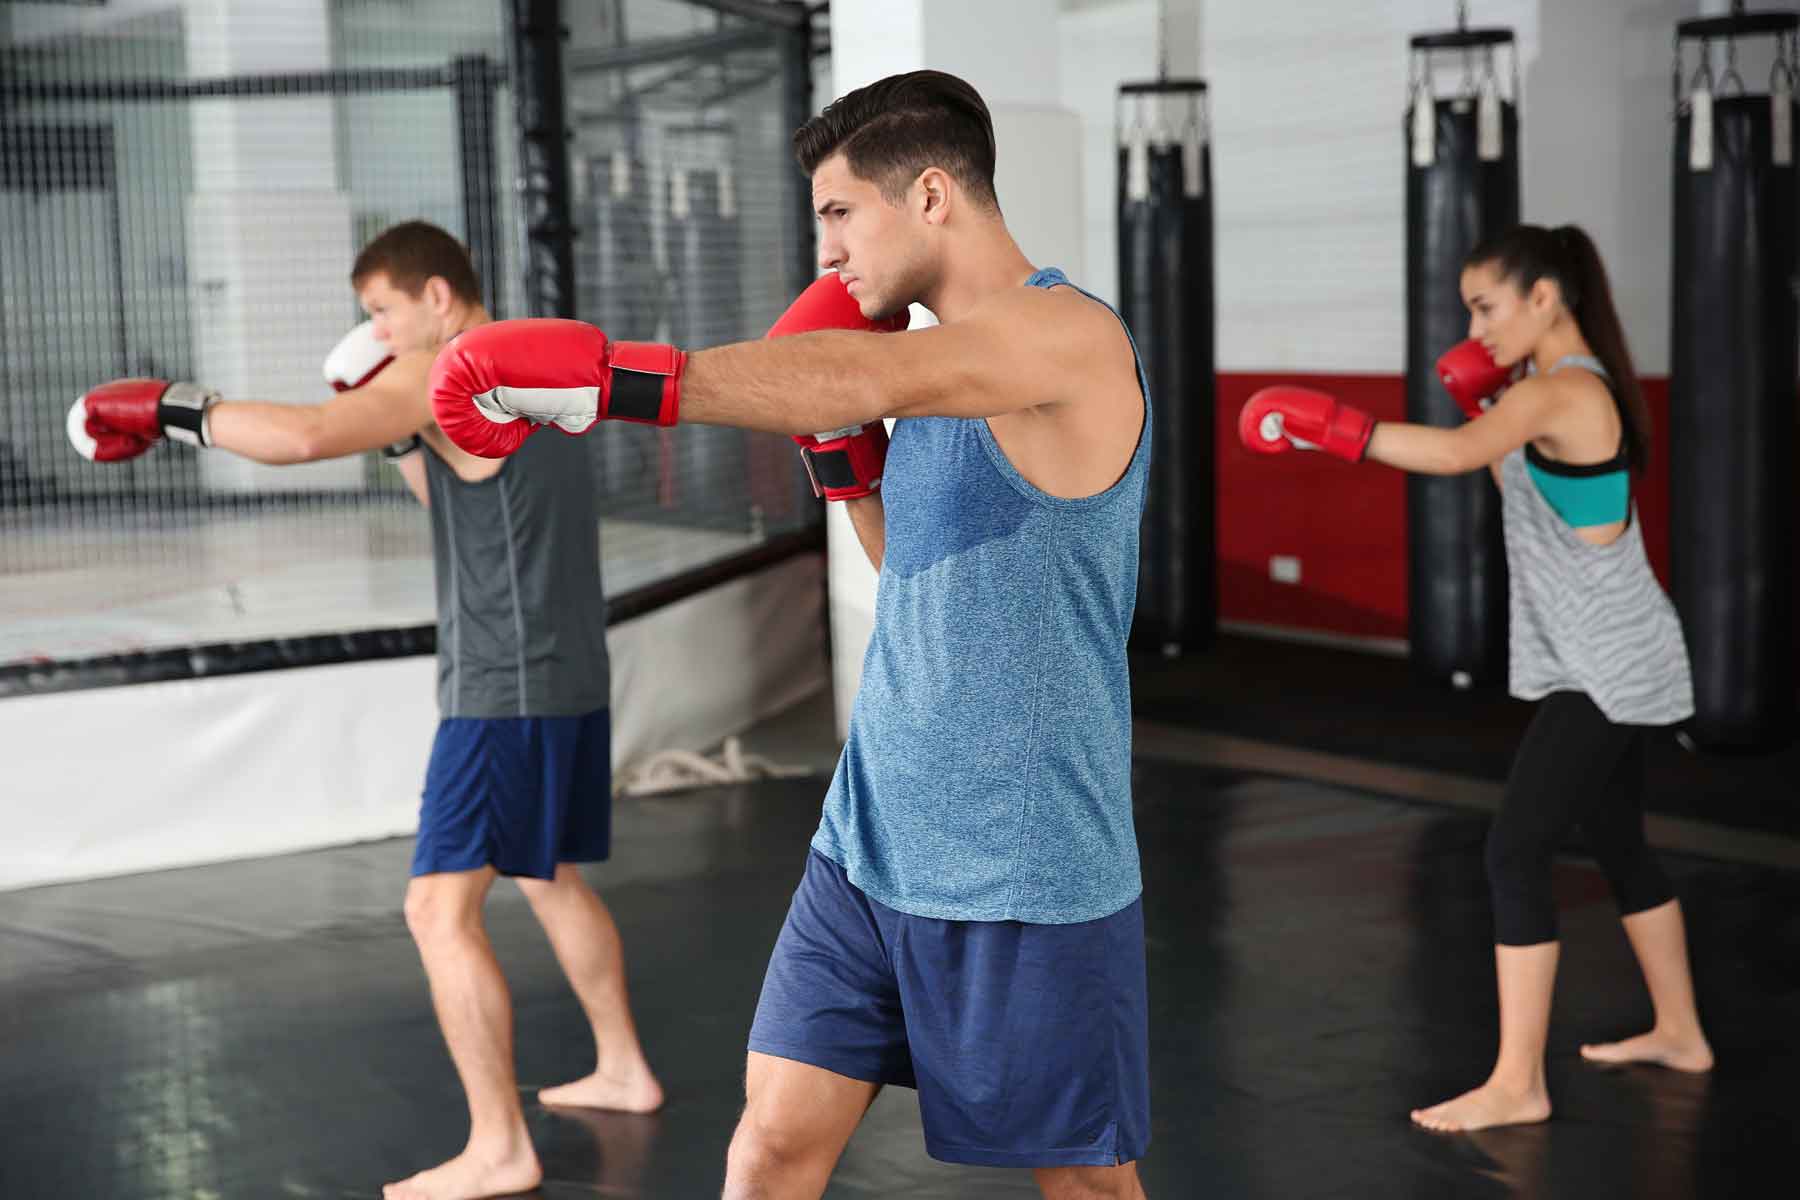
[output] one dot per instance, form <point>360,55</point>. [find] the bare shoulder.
<point>409,370</point>
<point>1080,439</point>
<point>1535,393</point>
<point>1563,394</point>
<point>1558,411</point>
<point>1082,336</point>
<point>1061,314</point>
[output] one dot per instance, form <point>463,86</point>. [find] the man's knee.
<point>767,1144</point>
<point>439,907</point>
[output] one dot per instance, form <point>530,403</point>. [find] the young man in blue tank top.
<point>519,780</point>
<point>1593,636</point>
<point>968,921</point>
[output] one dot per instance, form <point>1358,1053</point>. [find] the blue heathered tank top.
<point>987,776</point>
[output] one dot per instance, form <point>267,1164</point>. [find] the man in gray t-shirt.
<point>519,781</point>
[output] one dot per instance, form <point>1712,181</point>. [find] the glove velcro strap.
<point>646,383</point>
<point>1348,435</point>
<point>181,411</point>
<point>847,465</point>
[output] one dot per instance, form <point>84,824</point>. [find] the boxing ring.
<point>183,198</point>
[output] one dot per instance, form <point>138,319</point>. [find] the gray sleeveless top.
<point>1589,618</point>
<point>521,617</point>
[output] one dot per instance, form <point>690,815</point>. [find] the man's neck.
<point>464,319</point>
<point>991,262</point>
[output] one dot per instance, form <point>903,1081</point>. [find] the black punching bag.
<point>1732,393</point>
<point>1462,185</point>
<point>1166,298</point>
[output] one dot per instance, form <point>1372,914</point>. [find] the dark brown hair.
<point>1566,255</point>
<point>413,252</point>
<point>893,129</point>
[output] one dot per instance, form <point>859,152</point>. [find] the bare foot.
<point>467,1177</point>
<point>1689,1053</point>
<point>636,1092</point>
<point>1484,1108</point>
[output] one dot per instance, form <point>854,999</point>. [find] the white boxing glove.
<point>355,360</point>
<point>358,358</point>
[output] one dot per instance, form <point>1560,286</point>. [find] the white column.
<point>1008,50</point>
<point>1114,42</point>
<point>269,232</point>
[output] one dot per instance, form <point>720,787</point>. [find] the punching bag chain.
<point>1731,71</point>
<point>1702,80</point>
<point>1162,39</point>
<point>1675,76</point>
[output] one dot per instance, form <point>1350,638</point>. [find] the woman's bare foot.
<point>1688,1052</point>
<point>1484,1108</point>
<point>470,1176</point>
<point>635,1092</point>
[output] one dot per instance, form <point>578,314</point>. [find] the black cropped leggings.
<point>1574,768</point>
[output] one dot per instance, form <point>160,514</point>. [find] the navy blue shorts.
<point>1028,1044</point>
<point>519,794</point>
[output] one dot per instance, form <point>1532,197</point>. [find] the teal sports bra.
<point>1586,493</point>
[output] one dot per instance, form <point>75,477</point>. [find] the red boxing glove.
<point>1278,419</point>
<point>845,464</point>
<point>827,304</point>
<point>497,384</point>
<point>122,419</point>
<point>1472,377</point>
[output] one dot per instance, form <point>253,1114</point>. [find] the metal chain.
<point>1675,74</point>
<point>1731,71</point>
<point>1162,39</point>
<point>1703,74</point>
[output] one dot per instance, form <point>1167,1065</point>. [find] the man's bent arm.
<point>869,519</point>
<point>412,470</point>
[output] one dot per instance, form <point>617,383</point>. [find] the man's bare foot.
<point>471,1177</point>
<point>1484,1108</point>
<point>638,1092</point>
<point>1689,1053</point>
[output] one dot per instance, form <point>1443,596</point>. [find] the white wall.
<point>1308,98</point>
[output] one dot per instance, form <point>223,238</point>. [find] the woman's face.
<point>1503,318</point>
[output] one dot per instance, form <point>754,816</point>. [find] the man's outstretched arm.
<point>1025,348</point>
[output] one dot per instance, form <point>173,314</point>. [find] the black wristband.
<point>182,413</point>
<point>396,451</point>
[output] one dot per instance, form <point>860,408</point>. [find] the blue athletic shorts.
<point>1028,1044</point>
<point>519,794</point>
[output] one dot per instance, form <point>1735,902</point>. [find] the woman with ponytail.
<point>1558,417</point>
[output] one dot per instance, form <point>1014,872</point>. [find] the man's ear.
<point>936,190</point>
<point>438,294</point>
